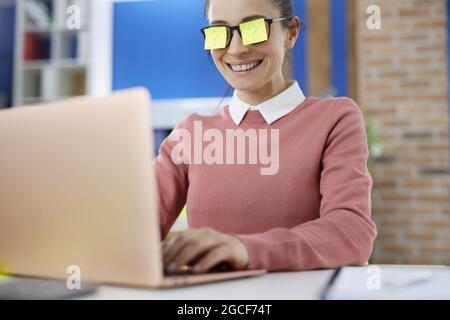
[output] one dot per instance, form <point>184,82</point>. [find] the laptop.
<point>77,192</point>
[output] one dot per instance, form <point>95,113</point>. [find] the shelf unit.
<point>53,62</point>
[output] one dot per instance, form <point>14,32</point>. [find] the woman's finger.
<point>168,241</point>
<point>212,258</point>
<point>171,250</point>
<point>192,252</point>
<point>166,244</point>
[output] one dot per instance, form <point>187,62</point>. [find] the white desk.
<point>351,283</point>
<point>305,285</point>
<point>272,286</point>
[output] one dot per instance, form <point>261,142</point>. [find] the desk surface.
<point>306,285</point>
<point>272,286</point>
<point>429,282</point>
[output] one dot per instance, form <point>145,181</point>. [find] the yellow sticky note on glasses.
<point>215,38</point>
<point>253,32</point>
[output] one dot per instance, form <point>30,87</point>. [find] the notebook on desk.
<point>389,282</point>
<point>77,189</point>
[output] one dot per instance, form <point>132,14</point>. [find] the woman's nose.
<point>236,47</point>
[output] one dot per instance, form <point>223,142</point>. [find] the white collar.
<point>272,109</point>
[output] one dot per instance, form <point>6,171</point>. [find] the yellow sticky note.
<point>216,38</point>
<point>253,32</point>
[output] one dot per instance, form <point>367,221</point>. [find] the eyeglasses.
<point>251,32</point>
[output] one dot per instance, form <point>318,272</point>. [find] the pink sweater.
<point>312,212</point>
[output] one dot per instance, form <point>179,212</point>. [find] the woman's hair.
<point>285,7</point>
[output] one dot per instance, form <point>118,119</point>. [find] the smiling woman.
<point>314,212</point>
<point>280,32</point>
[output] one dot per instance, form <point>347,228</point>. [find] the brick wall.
<point>402,88</point>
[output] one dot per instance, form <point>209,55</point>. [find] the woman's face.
<point>267,56</point>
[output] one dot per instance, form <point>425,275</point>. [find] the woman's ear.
<point>293,32</point>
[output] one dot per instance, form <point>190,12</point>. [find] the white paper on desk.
<point>357,283</point>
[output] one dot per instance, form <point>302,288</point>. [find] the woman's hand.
<point>203,249</point>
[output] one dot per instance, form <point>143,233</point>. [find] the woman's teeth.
<point>244,67</point>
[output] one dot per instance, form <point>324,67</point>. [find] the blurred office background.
<point>397,74</point>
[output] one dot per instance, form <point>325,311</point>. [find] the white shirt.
<point>272,109</point>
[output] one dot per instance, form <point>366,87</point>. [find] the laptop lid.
<point>77,190</point>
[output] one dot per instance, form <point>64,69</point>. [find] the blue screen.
<point>158,44</point>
